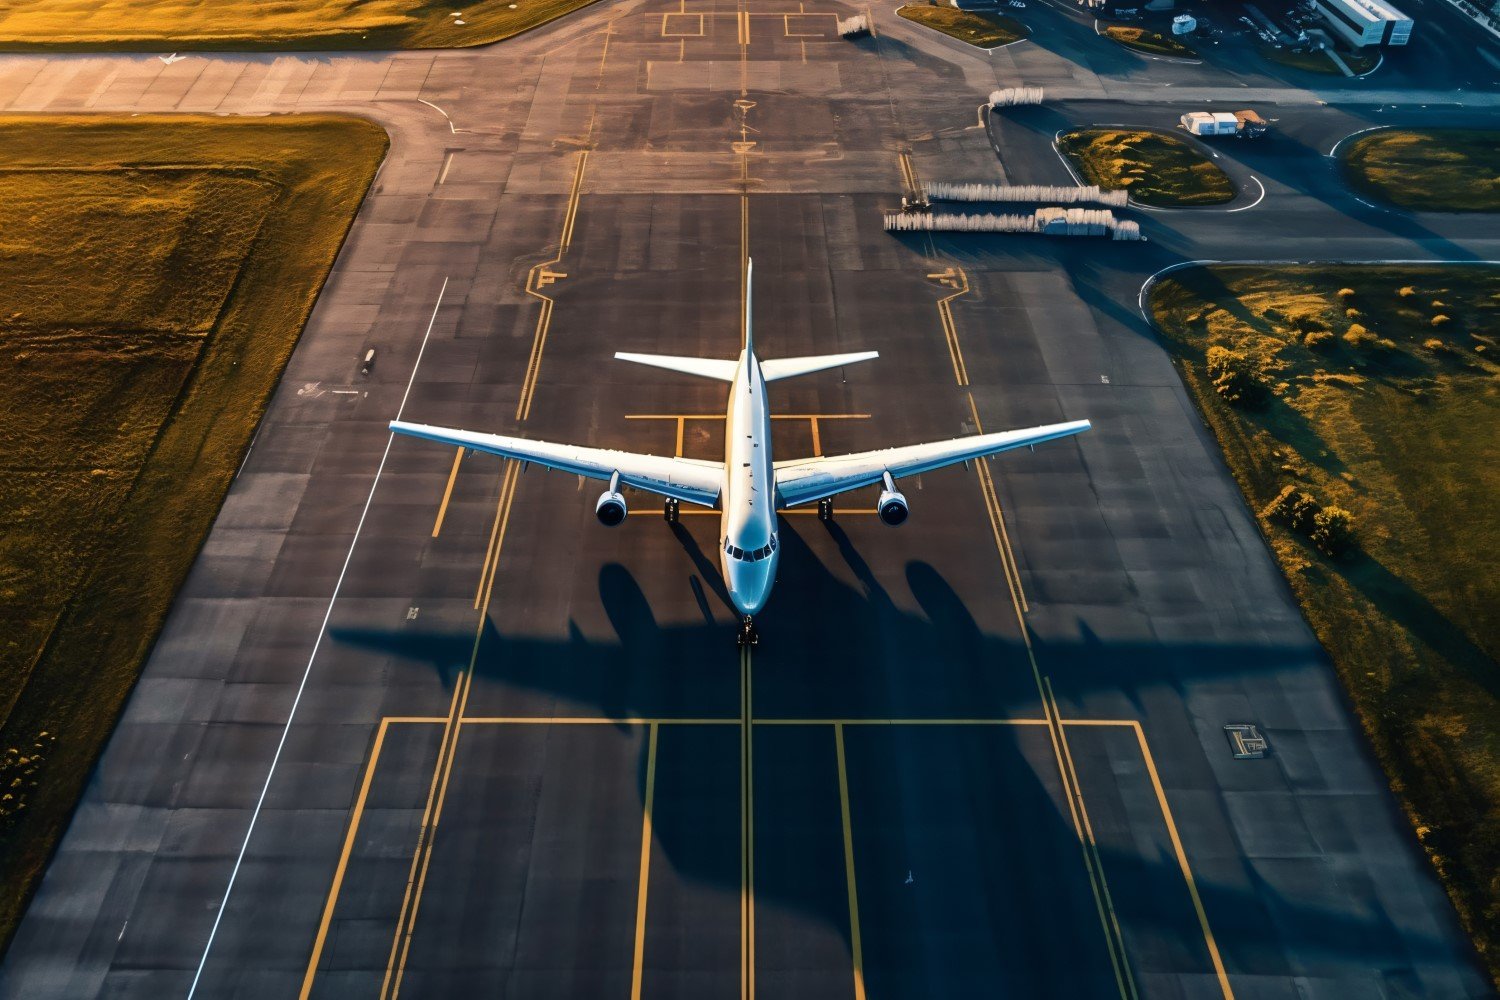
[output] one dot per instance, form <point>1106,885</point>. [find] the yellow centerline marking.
<point>437,525</point>
<point>542,275</point>
<point>645,871</point>
<point>747,831</point>
<point>343,865</point>
<point>1182,862</point>
<point>997,519</point>
<point>1109,923</point>
<point>950,328</point>
<point>856,949</point>
<point>497,533</point>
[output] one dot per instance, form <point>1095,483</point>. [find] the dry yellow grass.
<point>1156,169</point>
<point>1148,41</point>
<point>1437,170</point>
<point>155,273</point>
<point>1402,428</point>
<point>184,25</point>
<point>981,29</point>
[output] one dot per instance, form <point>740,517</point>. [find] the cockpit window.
<point>750,555</point>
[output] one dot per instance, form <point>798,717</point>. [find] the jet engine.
<point>611,508</point>
<point>892,505</point>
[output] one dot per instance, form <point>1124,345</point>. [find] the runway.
<point>418,726</point>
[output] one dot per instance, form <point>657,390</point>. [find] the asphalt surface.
<point>982,754</point>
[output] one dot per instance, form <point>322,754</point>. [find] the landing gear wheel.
<point>671,511</point>
<point>825,510</point>
<point>748,636</point>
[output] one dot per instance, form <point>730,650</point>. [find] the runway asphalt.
<point>473,743</point>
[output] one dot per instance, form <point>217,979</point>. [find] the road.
<point>418,726</point>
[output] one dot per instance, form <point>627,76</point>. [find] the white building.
<point>1366,22</point>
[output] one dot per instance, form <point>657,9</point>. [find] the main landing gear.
<point>825,510</point>
<point>672,511</point>
<point>748,636</point>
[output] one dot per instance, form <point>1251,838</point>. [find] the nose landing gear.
<point>747,635</point>
<point>671,511</point>
<point>825,510</point>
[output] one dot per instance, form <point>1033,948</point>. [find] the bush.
<point>1357,335</point>
<point>1330,529</point>
<point>1433,344</point>
<point>1352,313</point>
<point>1333,531</point>
<point>1233,376</point>
<point>1406,291</point>
<point>1318,338</point>
<point>1440,320</point>
<point>1346,293</point>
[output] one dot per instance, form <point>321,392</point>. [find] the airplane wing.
<point>780,368</point>
<point>683,479</point>
<point>803,481</point>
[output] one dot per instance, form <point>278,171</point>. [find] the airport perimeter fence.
<point>946,191</point>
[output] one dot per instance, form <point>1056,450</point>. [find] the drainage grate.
<point>1246,741</point>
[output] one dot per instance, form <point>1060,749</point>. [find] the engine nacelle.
<point>892,507</point>
<point>611,508</point>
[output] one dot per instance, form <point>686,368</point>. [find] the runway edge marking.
<point>644,878</point>
<point>317,644</point>
<point>856,947</point>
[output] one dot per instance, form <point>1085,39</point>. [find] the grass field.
<point>1392,413</point>
<point>155,274</point>
<point>1157,169</point>
<point>1434,170</point>
<point>981,29</point>
<point>187,25</point>
<point>1148,42</point>
<point>1317,61</point>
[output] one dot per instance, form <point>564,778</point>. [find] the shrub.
<point>1330,529</point>
<point>1433,344</point>
<point>1352,313</point>
<point>1232,375</point>
<point>1316,339</point>
<point>1441,320</point>
<point>1346,293</point>
<point>1357,335</point>
<point>1406,291</point>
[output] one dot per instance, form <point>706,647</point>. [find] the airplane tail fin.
<point>749,330</point>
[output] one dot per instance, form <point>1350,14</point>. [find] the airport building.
<point>1366,22</point>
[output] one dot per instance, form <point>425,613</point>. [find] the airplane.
<point>748,487</point>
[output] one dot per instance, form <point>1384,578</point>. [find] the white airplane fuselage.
<point>748,544</point>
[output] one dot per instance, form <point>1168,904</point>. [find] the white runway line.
<point>440,111</point>
<point>1257,201</point>
<point>307,672</point>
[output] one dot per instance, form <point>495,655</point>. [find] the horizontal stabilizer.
<point>792,367</point>
<point>704,367</point>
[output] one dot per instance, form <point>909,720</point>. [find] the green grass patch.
<point>979,28</point>
<point>1317,61</point>
<point>188,25</point>
<point>1398,423</point>
<point>155,274</point>
<point>1435,170</point>
<point>1148,42</point>
<point>1156,169</point>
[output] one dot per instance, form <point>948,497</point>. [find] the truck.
<point>1247,123</point>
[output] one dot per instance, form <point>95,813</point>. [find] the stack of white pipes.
<point>1011,97</point>
<point>859,24</point>
<point>947,191</point>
